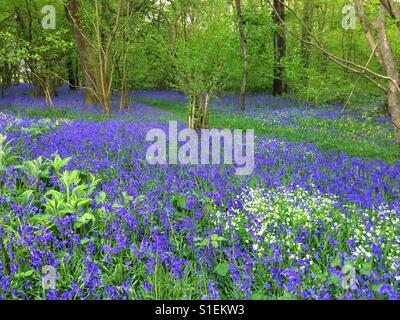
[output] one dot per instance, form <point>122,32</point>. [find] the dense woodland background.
<point>318,51</point>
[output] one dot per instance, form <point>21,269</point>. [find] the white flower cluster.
<point>377,227</point>
<point>276,216</point>
<point>46,121</point>
<point>10,120</point>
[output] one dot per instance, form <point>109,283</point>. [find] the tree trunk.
<point>124,102</point>
<point>384,54</point>
<point>245,55</point>
<point>307,26</point>
<point>47,89</point>
<point>394,108</point>
<point>39,89</point>
<point>2,89</point>
<point>6,77</point>
<point>106,102</point>
<point>198,118</point>
<point>204,120</point>
<point>86,54</point>
<point>124,99</point>
<point>279,85</point>
<point>54,88</point>
<point>393,8</point>
<point>391,70</point>
<point>73,85</point>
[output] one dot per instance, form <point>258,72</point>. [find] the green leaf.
<point>84,241</point>
<point>81,203</point>
<point>26,195</point>
<point>348,263</point>
<point>336,262</point>
<point>77,225</point>
<point>140,198</point>
<point>127,198</point>
<point>86,218</point>
<point>208,208</point>
<point>79,190</point>
<point>179,202</point>
<point>258,296</point>
<point>286,296</point>
<point>24,274</point>
<point>322,277</point>
<point>366,269</point>
<point>101,197</point>
<point>376,287</point>
<point>334,280</point>
<point>222,269</point>
<point>253,181</point>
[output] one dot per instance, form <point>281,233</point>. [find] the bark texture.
<point>279,85</point>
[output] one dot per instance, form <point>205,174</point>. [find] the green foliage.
<point>194,46</point>
<point>6,156</point>
<point>222,269</point>
<point>73,196</point>
<point>202,64</point>
<point>74,199</point>
<point>215,241</point>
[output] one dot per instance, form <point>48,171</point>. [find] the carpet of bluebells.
<point>77,194</point>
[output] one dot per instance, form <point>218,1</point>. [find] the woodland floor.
<point>78,195</point>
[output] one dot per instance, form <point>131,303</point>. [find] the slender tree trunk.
<point>6,78</point>
<point>85,51</point>
<point>124,100</point>
<point>307,26</point>
<point>48,88</point>
<point>76,74</point>
<point>199,110</point>
<point>2,88</point>
<point>39,89</point>
<point>384,54</point>
<point>279,85</point>
<point>73,85</point>
<point>204,120</point>
<point>7,75</point>
<point>245,55</point>
<point>391,69</point>
<point>54,88</point>
<point>394,107</point>
<point>393,8</point>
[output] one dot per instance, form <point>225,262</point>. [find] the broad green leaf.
<point>222,269</point>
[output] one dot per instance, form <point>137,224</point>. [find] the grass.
<point>357,139</point>
<point>23,111</point>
